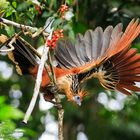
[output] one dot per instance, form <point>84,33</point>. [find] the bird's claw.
<point>54,89</point>
<point>58,105</point>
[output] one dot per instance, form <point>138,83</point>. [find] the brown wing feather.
<point>92,47</point>
<point>128,71</point>
<point>22,57</point>
<point>131,32</point>
<point>106,55</point>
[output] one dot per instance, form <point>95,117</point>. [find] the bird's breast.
<point>64,83</point>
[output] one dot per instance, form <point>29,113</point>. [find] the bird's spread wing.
<point>104,54</point>
<point>22,56</point>
<point>91,47</point>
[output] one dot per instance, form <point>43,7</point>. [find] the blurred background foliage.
<point>103,115</point>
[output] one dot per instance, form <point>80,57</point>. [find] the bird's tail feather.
<point>125,69</point>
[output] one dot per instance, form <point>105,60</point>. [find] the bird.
<point>105,54</point>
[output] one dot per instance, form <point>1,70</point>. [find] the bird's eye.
<point>77,97</point>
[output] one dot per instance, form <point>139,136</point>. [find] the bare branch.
<point>33,31</point>
<point>60,124</point>
<point>31,47</point>
<point>47,29</point>
<point>10,44</point>
<point>37,85</point>
<point>21,26</point>
<point>58,101</point>
<point>38,80</point>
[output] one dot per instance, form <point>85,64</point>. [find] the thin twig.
<point>10,45</point>
<point>38,80</point>
<point>31,47</point>
<point>58,101</point>
<point>33,31</point>
<point>12,40</point>
<point>52,69</point>
<point>21,26</point>
<point>37,85</point>
<point>60,123</point>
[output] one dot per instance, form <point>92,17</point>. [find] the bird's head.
<point>78,97</point>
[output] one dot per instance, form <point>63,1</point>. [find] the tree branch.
<point>21,26</point>
<point>33,31</point>
<point>37,85</point>
<point>38,78</point>
<point>46,54</point>
<point>58,101</point>
<point>60,123</point>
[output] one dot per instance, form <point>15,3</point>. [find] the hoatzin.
<point>104,54</point>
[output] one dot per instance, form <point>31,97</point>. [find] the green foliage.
<point>10,30</point>
<point>7,116</point>
<point>6,130</point>
<point>8,111</point>
<point>12,113</point>
<point>7,8</point>
<point>3,4</point>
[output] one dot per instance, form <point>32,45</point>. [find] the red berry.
<point>55,36</point>
<point>63,9</point>
<point>61,31</point>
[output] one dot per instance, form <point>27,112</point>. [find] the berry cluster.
<point>38,9</point>
<point>55,36</point>
<point>64,8</point>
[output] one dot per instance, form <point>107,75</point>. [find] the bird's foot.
<point>57,105</point>
<point>54,89</point>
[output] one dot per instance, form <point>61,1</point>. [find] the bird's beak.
<point>79,103</point>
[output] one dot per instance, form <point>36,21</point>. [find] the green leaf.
<point>6,130</point>
<point>46,14</point>
<point>10,30</point>
<point>14,4</point>
<point>69,2</point>
<point>57,22</point>
<point>2,100</point>
<point>9,112</point>
<point>29,131</point>
<point>23,6</point>
<point>3,4</point>
<point>9,11</point>
<point>30,14</point>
